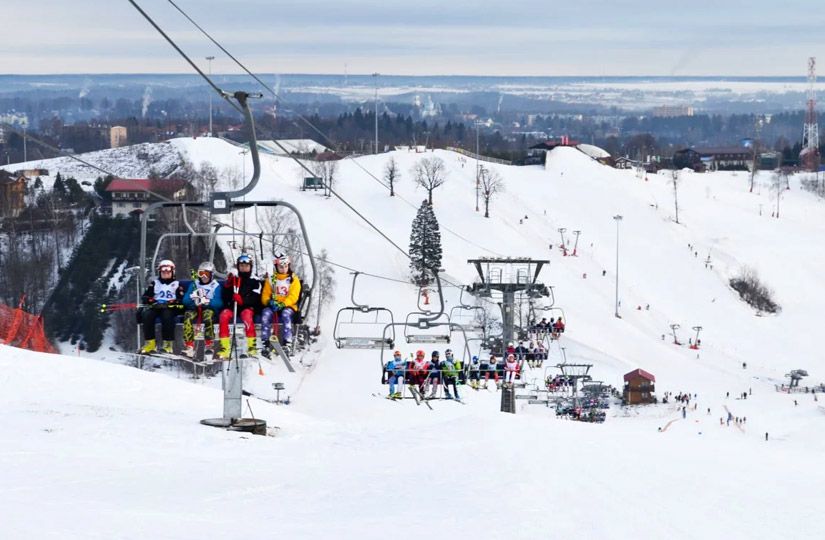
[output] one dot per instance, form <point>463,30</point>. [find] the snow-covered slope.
<point>98,447</point>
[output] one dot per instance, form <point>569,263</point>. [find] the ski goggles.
<point>244,259</point>
<point>205,274</point>
<point>165,269</point>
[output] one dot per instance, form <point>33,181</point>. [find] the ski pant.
<point>510,376</point>
<point>167,322</point>
<point>244,314</point>
<point>284,321</point>
<point>191,317</point>
<point>393,380</point>
<point>451,381</point>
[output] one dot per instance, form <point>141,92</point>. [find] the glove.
<point>237,298</point>
<point>233,272</point>
<point>276,305</point>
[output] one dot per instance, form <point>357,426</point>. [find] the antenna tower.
<point>809,156</point>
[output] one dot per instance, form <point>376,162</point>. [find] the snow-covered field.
<point>93,449</point>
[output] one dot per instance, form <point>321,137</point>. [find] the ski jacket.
<point>396,368</point>
<point>283,288</point>
<point>449,369</point>
<point>511,366</point>
<point>249,289</point>
<point>163,291</point>
<point>210,290</point>
<point>419,366</point>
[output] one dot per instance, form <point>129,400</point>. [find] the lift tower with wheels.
<point>507,276</point>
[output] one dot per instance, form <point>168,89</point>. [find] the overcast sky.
<point>420,37</point>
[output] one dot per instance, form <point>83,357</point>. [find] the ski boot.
<point>189,349</point>
<point>226,349</point>
<point>251,349</point>
<point>266,350</point>
<point>149,347</point>
<point>168,347</point>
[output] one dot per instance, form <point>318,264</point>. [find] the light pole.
<point>209,59</point>
<point>478,172</point>
<point>618,219</point>
<point>375,76</point>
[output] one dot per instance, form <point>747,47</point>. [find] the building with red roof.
<point>134,195</point>
<point>639,387</point>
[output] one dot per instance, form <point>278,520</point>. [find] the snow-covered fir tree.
<point>425,245</point>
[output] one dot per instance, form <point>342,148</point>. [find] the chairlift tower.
<point>809,156</point>
<point>509,276</point>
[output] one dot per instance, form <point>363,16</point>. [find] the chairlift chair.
<point>371,319</point>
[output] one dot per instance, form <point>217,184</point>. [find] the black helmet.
<point>435,353</point>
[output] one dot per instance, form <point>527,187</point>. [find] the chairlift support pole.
<point>576,244</point>
<point>673,328</point>
<point>563,243</point>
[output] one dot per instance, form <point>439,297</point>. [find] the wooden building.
<point>12,194</point>
<point>638,387</point>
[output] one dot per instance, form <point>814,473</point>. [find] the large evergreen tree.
<point>425,245</point>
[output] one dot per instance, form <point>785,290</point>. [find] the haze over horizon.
<point>480,38</point>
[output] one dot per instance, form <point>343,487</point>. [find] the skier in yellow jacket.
<point>279,297</point>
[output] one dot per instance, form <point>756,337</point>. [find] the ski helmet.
<point>397,353</point>
<point>419,353</point>
<point>282,259</point>
<point>475,359</point>
<point>166,264</point>
<point>206,268</point>
<point>435,353</point>
<point>244,259</point>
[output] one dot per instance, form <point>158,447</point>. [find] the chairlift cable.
<point>326,138</point>
<point>220,92</point>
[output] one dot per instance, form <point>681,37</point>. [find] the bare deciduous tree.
<point>327,171</point>
<point>491,183</point>
<point>430,173</point>
<point>392,175</point>
<point>325,286</point>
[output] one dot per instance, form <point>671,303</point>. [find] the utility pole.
<point>478,171</point>
<point>375,76</point>
<point>209,59</point>
<point>618,218</point>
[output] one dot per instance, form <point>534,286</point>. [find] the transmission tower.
<point>809,156</point>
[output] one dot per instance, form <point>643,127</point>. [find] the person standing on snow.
<point>202,301</point>
<point>242,293</point>
<point>280,298</point>
<point>163,301</point>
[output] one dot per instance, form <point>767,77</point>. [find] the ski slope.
<point>108,450</point>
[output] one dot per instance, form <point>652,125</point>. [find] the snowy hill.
<point>348,464</point>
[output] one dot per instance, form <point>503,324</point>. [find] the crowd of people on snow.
<point>272,299</point>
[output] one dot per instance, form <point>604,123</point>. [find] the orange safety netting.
<point>21,329</point>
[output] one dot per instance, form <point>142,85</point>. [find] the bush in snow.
<point>754,292</point>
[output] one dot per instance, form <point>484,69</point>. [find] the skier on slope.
<point>162,300</point>
<point>241,291</point>
<point>280,298</point>
<point>202,302</point>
